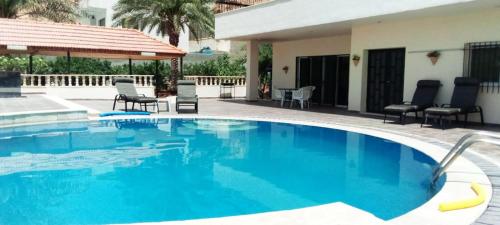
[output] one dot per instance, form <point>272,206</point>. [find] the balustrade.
<point>217,80</point>
<point>80,80</point>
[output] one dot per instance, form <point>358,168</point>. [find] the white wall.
<point>214,91</point>
<point>447,34</point>
<point>217,45</point>
<point>278,15</point>
<point>285,54</point>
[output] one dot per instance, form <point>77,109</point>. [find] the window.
<point>102,22</point>
<point>482,61</point>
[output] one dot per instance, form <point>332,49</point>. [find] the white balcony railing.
<point>80,80</point>
<point>210,86</point>
<point>85,86</point>
<point>217,80</point>
<point>82,86</point>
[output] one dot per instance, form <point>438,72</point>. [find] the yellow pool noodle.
<point>468,203</point>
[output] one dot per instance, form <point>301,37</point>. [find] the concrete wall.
<point>447,34</point>
<point>285,54</point>
<point>214,91</point>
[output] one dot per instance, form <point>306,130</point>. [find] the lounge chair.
<point>128,93</point>
<point>302,95</point>
<point>422,98</point>
<point>463,101</point>
<point>186,94</point>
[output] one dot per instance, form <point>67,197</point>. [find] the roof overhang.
<point>88,53</point>
<point>39,38</point>
<point>300,19</point>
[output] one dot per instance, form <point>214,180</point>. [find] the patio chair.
<point>463,102</point>
<point>279,94</point>
<point>186,94</point>
<point>302,95</point>
<point>422,98</point>
<point>128,93</point>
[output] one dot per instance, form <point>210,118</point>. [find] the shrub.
<point>221,66</point>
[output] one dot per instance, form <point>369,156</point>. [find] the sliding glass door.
<point>330,76</point>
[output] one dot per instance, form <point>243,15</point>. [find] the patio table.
<point>286,94</point>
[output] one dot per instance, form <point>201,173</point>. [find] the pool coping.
<point>437,146</point>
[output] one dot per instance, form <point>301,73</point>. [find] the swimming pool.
<point>149,170</point>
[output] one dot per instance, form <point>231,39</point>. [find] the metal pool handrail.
<point>463,144</point>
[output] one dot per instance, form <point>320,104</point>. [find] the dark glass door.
<point>330,80</point>
<point>317,78</point>
<point>330,76</point>
<point>385,78</point>
<point>303,71</point>
<point>343,81</point>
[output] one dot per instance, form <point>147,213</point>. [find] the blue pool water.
<point>126,171</point>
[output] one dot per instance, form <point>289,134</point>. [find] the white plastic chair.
<point>302,95</point>
<point>280,95</point>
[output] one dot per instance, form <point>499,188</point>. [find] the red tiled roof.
<point>82,40</point>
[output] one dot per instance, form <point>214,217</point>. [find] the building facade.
<point>314,43</point>
<point>100,13</point>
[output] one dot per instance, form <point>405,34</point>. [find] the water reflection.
<point>175,169</point>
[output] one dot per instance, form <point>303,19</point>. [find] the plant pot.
<point>433,60</point>
<point>355,61</point>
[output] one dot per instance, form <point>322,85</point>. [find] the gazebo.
<point>75,40</point>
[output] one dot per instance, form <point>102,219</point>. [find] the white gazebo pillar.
<point>252,76</point>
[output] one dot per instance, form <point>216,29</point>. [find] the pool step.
<point>9,119</point>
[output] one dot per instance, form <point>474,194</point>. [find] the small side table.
<point>166,101</point>
<point>223,90</point>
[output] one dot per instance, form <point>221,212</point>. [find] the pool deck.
<point>488,160</point>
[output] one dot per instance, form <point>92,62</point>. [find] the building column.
<point>252,67</point>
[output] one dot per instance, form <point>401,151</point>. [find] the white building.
<point>100,13</point>
<point>314,42</point>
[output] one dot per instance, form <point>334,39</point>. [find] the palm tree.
<point>54,10</point>
<point>169,18</point>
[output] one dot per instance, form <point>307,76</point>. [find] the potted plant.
<point>285,69</point>
<point>434,56</point>
<point>355,59</point>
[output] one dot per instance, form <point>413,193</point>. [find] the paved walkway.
<point>28,103</point>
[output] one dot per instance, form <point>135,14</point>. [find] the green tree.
<point>54,10</point>
<point>221,66</point>
<point>265,64</point>
<point>169,18</point>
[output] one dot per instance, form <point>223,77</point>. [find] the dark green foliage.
<point>222,66</point>
<point>265,63</point>
<point>80,66</point>
<point>54,10</point>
